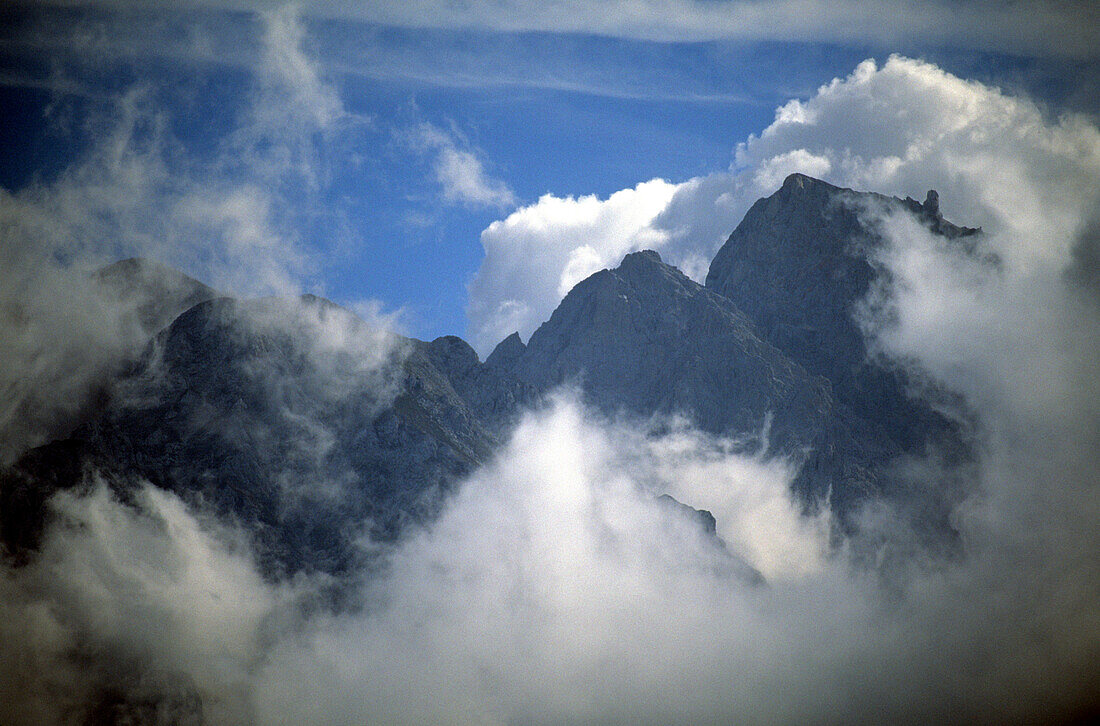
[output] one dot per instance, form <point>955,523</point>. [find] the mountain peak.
<point>932,203</point>
<point>798,182</point>
<point>798,265</point>
<point>641,257</point>
<point>506,352</point>
<point>158,292</point>
<point>644,272</point>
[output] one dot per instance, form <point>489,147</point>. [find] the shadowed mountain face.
<point>798,265</point>
<point>294,418</point>
<point>645,340</point>
<point>773,336</point>
<point>315,430</point>
<point>57,371</point>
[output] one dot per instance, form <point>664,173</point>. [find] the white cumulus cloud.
<point>536,255</point>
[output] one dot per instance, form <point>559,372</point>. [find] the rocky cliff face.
<point>798,265</point>
<point>645,339</point>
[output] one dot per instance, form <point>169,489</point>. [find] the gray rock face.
<point>489,389</point>
<point>797,265</point>
<point>506,353</point>
<point>644,339</point>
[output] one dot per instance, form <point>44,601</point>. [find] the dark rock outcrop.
<point>644,339</point>
<point>489,389</point>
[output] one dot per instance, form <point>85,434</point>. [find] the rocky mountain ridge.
<point>300,421</point>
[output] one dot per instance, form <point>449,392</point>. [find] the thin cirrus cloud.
<point>1048,28</point>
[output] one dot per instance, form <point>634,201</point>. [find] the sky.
<point>376,144</point>
<point>454,168</point>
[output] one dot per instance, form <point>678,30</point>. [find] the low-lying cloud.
<point>556,586</point>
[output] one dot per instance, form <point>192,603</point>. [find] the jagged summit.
<point>644,339</point>
<point>799,264</point>
<point>799,182</point>
<point>931,203</point>
<point>506,352</point>
<point>235,400</point>
<point>640,257</point>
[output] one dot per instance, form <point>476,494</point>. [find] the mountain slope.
<point>798,265</point>
<point>293,418</point>
<point>644,339</point>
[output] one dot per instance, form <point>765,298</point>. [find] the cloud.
<point>292,75</point>
<point>549,563</point>
<point>997,160</point>
<point>459,171</point>
<point>555,587</point>
<point>1049,28</point>
<point>142,604</point>
<point>240,215</point>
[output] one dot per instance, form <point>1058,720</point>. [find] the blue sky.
<point>359,151</point>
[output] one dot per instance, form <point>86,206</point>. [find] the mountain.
<point>291,417</point>
<point>643,340</point>
<point>313,430</point>
<point>51,380</point>
<point>156,292</point>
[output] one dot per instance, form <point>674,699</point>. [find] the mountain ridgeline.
<point>314,430</point>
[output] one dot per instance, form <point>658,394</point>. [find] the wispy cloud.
<point>1048,28</point>
<point>459,170</point>
<point>237,214</point>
